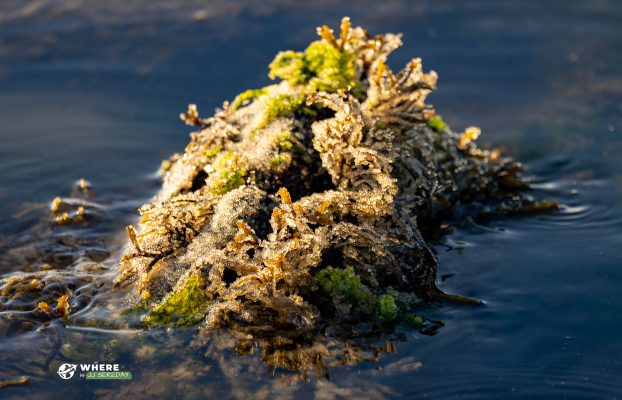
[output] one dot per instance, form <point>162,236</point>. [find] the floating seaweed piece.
<point>62,307</point>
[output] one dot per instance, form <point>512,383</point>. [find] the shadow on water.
<point>91,90</point>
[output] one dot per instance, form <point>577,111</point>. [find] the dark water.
<point>93,89</point>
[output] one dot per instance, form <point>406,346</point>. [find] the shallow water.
<point>93,90</point>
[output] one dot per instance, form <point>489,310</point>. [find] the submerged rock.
<point>307,203</point>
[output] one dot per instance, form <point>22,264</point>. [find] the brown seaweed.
<point>303,205</point>
<point>299,221</point>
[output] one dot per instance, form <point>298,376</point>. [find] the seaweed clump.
<point>308,204</point>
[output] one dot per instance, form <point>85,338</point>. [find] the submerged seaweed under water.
<point>542,82</point>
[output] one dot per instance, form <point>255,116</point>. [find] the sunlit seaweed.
<point>299,217</point>
<point>301,205</point>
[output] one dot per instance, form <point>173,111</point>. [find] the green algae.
<point>165,166</point>
<point>247,96</point>
<point>284,141</point>
<point>213,150</point>
<point>387,308</point>
<point>345,283</point>
<point>282,105</point>
<point>184,307</point>
<point>385,304</point>
<point>290,66</point>
<point>436,122</point>
<point>227,174</point>
<point>322,66</point>
<point>279,160</point>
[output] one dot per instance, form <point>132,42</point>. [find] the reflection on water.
<point>93,89</point>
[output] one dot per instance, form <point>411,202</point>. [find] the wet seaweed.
<point>304,205</point>
<point>300,219</point>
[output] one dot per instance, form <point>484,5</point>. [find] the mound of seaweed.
<point>301,205</point>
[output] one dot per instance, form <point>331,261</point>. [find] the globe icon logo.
<point>66,371</point>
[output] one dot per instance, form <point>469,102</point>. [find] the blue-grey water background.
<point>93,89</point>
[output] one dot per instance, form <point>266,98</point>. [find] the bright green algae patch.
<point>213,150</point>
<point>184,307</point>
<point>388,304</point>
<point>227,173</point>
<point>436,122</point>
<point>322,66</point>
<point>345,283</point>
<point>282,105</point>
<point>247,96</point>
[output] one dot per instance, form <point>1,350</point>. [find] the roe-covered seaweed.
<point>298,221</point>
<point>307,203</point>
